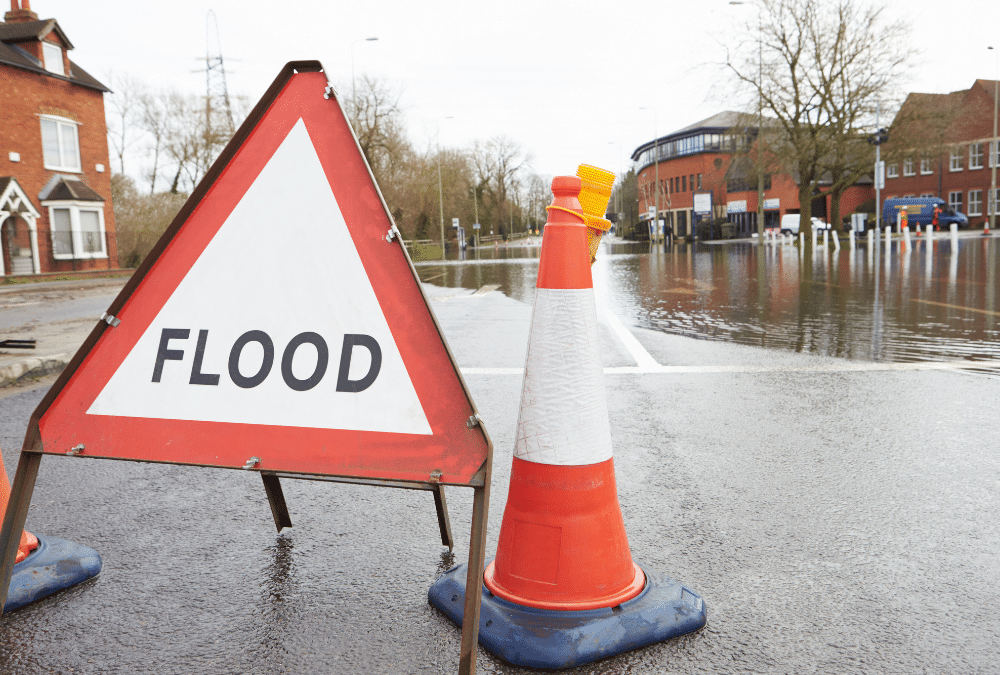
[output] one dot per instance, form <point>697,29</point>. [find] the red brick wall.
<point>23,98</point>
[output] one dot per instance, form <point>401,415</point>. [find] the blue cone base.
<point>552,639</point>
<point>56,564</point>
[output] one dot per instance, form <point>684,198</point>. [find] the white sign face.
<point>702,202</point>
<point>738,206</point>
<point>772,203</point>
<point>289,333</point>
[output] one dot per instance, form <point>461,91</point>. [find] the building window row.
<point>692,145</point>
<point>956,158</point>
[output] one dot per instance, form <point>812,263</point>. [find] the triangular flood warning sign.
<point>277,322</point>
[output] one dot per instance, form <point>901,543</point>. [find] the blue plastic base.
<point>540,638</point>
<point>56,564</point>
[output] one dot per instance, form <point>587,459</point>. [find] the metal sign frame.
<point>34,447</point>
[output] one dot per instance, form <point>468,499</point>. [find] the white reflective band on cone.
<point>564,410</point>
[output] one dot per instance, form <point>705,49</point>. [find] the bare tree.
<point>822,70</point>
<point>377,119</point>
<point>498,164</point>
<point>122,114</point>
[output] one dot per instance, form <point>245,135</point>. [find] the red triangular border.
<point>453,449</point>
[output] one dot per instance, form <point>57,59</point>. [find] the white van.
<point>790,223</point>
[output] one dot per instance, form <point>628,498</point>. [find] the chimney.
<point>20,11</point>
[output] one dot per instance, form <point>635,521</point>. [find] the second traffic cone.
<point>29,542</point>
<point>563,590</point>
<point>44,565</point>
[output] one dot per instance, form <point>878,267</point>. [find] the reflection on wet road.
<point>935,300</point>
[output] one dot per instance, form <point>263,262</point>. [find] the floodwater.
<point>930,301</point>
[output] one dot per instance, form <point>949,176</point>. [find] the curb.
<point>34,366</point>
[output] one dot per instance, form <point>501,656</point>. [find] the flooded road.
<point>933,301</point>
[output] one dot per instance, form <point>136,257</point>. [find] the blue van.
<point>920,210</point>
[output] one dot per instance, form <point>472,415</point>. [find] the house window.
<point>53,56</point>
<point>60,145</point>
<point>891,171</point>
<point>955,161</point>
<point>955,200</point>
<point>77,231</point>
<point>699,181</point>
<point>908,167</point>
<point>975,202</point>
<point>684,183</point>
<point>925,166</point>
<point>927,194</point>
<point>975,155</point>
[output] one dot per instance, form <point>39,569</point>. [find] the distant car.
<point>790,223</point>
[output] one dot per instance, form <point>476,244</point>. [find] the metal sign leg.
<point>276,498</point>
<point>444,522</point>
<point>474,580</point>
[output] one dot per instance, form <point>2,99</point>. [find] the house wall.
<point>23,97</point>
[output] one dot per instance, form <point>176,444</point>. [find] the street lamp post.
<point>760,117</point>
<point>656,171</point>
<point>995,145</point>
<point>354,89</point>
<point>440,188</point>
<point>618,192</point>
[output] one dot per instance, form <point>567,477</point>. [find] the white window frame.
<point>993,203</point>
<point>892,170</point>
<point>908,167</point>
<point>52,58</point>
<point>61,123</point>
<point>76,229</point>
<point>926,166</point>
<point>955,162</point>
<point>975,203</point>
<point>955,200</point>
<point>975,155</point>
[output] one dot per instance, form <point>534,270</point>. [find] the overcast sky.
<point>566,80</point>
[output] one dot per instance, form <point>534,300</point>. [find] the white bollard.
<point>906,238</point>
<point>826,238</point>
<point>836,241</point>
<point>851,237</point>
<point>954,230</point>
<point>871,237</point>
<point>888,235</point>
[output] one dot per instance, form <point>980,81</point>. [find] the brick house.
<point>55,182</point>
<point>705,158</point>
<point>959,129</point>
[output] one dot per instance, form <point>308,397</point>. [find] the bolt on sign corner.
<point>276,320</point>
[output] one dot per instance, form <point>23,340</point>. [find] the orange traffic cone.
<point>29,542</point>
<point>44,565</point>
<point>563,589</point>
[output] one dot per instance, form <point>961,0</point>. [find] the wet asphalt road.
<point>834,520</point>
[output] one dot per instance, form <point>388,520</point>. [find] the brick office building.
<point>961,172</point>
<point>55,182</point>
<point>706,158</point>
